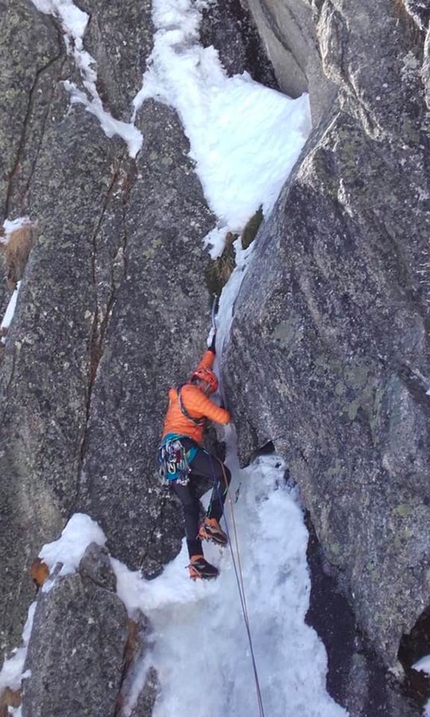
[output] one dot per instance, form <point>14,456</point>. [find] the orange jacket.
<point>196,403</point>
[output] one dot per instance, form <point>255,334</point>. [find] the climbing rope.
<point>236,565</point>
<point>239,579</point>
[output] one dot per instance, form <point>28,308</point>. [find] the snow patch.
<point>12,672</point>
<point>227,299</point>
<point>111,127</point>
<point>10,226</point>
<point>244,137</point>
<point>74,21</point>
<point>69,549</point>
<point>422,665</point>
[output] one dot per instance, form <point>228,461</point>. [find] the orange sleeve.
<point>197,403</point>
<point>207,360</point>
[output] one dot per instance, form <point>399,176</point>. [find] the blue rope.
<point>239,581</point>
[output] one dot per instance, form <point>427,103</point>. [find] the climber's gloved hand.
<point>211,340</point>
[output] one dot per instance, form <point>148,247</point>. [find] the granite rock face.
<point>25,86</point>
<point>328,358</point>
<point>113,288</point>
<point>335,307</point>
<point>231,29</point>
<point>113,308</point>
<point>159,318</point>
<point>25,92</point>
<point>119,38</point>
<point>76,651</point>
<point>49,355</point>
<point>287,28</point>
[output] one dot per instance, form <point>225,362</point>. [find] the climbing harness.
<point>240,584</point>
<point>172,461</point>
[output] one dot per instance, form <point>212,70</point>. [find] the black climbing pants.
<point>206,466</point>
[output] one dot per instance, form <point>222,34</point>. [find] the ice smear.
<point>199,628</point>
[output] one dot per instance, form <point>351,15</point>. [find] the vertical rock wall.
<point>328,357</point>
<point>335,307</point>
<point>113,307</point>
<point>288,30</point>
<point>158,319</point>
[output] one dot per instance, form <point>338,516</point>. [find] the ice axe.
<point>214,311</point>
<point>212,333</point>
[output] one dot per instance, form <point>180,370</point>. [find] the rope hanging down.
<point>241,588</point>
<point>237,566</point>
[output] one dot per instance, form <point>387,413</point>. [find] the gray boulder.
<point>76,650</point>
<point>95,566</point>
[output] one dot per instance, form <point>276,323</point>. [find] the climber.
<point>183,460</point>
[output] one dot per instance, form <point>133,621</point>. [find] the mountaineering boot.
<point>200,568</point>
<point>210,530</point>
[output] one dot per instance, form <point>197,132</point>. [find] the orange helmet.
<point>206,374</point>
